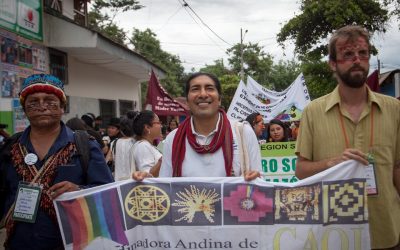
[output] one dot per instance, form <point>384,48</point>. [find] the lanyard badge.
<point>372,188</point>
<point>27,202</point>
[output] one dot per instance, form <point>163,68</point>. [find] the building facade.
<point>51,36</point>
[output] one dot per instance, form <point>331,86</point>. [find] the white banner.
<point>285,106</point>
<point>325,211</point>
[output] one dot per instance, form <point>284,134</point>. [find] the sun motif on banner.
<point>147,203</point>
<point>193,201</point>
<point>248,203</point>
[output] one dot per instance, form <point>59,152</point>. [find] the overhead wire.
<point>194,19</point>
<point>169,18</point>
<point>206,25</point>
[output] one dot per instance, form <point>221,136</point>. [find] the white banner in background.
<point>285,106</point>
<point>325,211</point>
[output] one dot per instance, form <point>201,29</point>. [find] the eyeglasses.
<point>50,105</point>
<point>352,56</point>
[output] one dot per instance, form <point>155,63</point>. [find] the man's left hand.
<point>62,187</point>
<point>251,175</point>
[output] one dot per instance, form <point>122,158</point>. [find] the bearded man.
<point>352,122</point>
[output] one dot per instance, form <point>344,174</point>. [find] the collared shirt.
<point>45,233</point>
<point>321,136</point>
<point>202,139</point>
<point>211,165</point>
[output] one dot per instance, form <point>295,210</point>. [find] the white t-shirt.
<point>123,158</point>
<point>145,155</point>
<point>211,165</point>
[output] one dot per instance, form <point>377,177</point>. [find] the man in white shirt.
<point>205,144</point>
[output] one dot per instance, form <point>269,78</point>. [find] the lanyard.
<point>38,174</point>
<point>346,139</point>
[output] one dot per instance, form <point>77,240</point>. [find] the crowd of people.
<point>49,155</point>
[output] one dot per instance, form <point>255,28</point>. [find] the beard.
<point>353,80</point>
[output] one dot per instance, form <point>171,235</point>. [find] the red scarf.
<point>223,138</point>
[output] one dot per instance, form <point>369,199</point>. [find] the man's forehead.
<point>203,80</point>
<point>344,44</point>
<point>41,95</point>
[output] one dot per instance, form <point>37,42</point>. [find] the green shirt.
<point>321,136</point>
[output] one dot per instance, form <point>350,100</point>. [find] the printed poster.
<point>220,213</point>
<point>278,161</point>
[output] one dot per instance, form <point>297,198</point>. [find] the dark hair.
<point>140,119</point>
<point>76,124</point>
<point>115,122</point>
<point>88,119</point>
<point>349,32</point>
<point>194,75</point>
<point>252,118</point>
<point>126,125</point>
<point>285,130</point>
<point>173,120</point>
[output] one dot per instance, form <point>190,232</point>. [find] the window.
<point>54,6</point>
<point>80,12</point>
<point>59,64</point>
<point>107,110</point>
<point>125,106</point>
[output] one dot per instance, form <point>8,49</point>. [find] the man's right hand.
<point>349,154</point>
<point>306,168</point>
<point>140,175</point>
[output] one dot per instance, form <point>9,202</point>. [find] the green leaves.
<point>311,29</point>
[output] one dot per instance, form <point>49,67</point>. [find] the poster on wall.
<point>19,119</point>
<point>9,81</point>
<point>22,75</point>
<point>24,17</point>
<point>25,52</point>
<point>39,59</point>
<point>9,48</point>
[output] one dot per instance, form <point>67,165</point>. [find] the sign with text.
<point>159,101</point>
<point>325,211</point>
<point>285,106</point>
<point>23,17</point>
<point>278,161</point>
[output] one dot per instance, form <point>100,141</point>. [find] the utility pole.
<point>241,53</point>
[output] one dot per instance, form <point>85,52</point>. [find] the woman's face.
<point>259,126</point>
<point>276,132</point>
<point>173,125</point>
<point>155,129</point>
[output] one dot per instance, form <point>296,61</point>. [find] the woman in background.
<point>257,123</point>
<point>147,128</point>
<point>120,154</point>
<point>173,124</point>
<point>277,131</point>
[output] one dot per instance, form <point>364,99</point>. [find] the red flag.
<point>373,81</point>
<point>161,102</point>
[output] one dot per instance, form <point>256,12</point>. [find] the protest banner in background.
<point>265,95</point>
<point>325,211</point>
<point>285,106</point>
<point>159,101</point>
<point>278,161</point>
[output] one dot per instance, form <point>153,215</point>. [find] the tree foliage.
<point>229,84</point>
<point>318,19</point>
<point>102,14</point>
<point>310,29</point>
<point>257,63</point>
<point>147,44</point>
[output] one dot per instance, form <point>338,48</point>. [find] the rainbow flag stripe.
<point>97,215</point>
